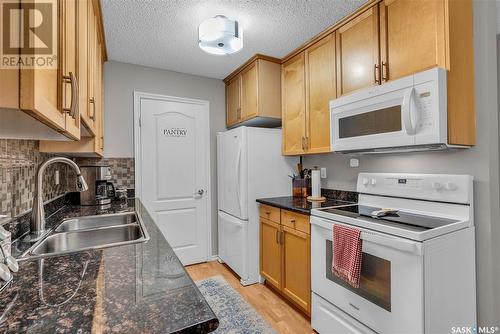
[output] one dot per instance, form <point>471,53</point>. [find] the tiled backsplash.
<point>19,161</point>
<point>122,169</point>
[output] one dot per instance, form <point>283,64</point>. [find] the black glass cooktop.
<point>411,221</point>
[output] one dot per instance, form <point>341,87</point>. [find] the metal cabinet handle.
<point>375,74</point>
<point>282,237</point>
<point>307,143</point>
<point>385,71</point>
<point>292,221</point>
<point>92,100</point>
<point>73,109</point>
<point>277,236</point>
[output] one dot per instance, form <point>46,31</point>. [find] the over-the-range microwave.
<point>407,114</point>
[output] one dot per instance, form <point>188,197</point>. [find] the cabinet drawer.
<point>269,212</point>
<point>295,220</point>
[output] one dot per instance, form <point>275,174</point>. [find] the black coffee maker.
<point>101,190</point>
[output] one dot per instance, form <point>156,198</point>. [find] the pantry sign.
<point>28,33</point>
<point>175,132</point>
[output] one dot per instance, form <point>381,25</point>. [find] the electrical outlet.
<point>354,163</point>
<point>323,172</point>
<point>57,177</point>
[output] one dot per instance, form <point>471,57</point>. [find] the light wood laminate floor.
<point>278,313</point>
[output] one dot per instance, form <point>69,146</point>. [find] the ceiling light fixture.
<point>220,36</point>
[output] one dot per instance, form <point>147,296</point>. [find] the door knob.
<point>200,192</point>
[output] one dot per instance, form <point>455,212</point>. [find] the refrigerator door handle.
<point>238,186</point>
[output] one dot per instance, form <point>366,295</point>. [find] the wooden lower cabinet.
<point>296,282</point>
<point>285,257</point>
<point>270,252</point>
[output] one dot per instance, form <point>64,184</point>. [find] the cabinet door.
<point>91,65</point>
<point>296,283</point>
<point>39,92</point>
<point>293,103</point>
<point>358,53</point>
<point>9,88</point>
<point>412,36</point>
<point>69,89</point>
<point>233,101</point>
<point>249,90</point>
<point>320,89</point>
<point>83,65</point>
<point>99,102</point>
<point>270,252</point>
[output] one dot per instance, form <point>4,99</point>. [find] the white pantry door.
<point>173,162</point>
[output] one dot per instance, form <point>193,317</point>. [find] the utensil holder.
<point>301,187</point>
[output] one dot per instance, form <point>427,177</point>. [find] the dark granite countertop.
<point>140,288</point>
<point>300,204</point>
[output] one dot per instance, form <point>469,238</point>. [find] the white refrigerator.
<point>249,166</point>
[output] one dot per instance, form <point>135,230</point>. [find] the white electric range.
<point>418,263</point>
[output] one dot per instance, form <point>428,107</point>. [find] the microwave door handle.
<point>409,119</point>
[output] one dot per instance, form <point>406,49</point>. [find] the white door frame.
<point>137,150</point>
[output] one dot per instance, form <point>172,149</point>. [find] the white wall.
<point>121,80</point>
<point>480,161</point>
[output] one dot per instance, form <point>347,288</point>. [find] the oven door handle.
<point>396,243</point>
<point>324,228</point>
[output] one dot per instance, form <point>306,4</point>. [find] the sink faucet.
<point>37,221</point>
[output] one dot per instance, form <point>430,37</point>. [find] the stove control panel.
<point>435,187</point>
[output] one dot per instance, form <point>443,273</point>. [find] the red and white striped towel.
<point>347,246</point>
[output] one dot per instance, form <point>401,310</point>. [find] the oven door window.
<point>375,281</point>
<point>371,123</point>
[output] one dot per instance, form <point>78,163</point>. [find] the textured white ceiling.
<point>164,33</point>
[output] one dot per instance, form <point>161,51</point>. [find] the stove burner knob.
<point>437,185</point>
<point>450,186</point>
<point>365,181</point>
<point>374,182</point>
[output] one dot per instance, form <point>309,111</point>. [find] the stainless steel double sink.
<point>89,232</point>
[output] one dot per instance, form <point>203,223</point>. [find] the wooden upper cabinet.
<point>233,101</point>
<point>358,61</point>
<point>90,56</point>
<point>412,37</point>
<point>99,102</point>
<point>308,85</point>
<point>9,88</point>
<point>293,102</point>
<point>320,89</point>
<point>85,20</point>
<point>50,95</point>
<point>249,92</point>
<point>296,277</point>
<point>70,86</point>
<point>270,252</point>
<point>253,93</point>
